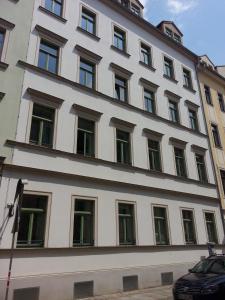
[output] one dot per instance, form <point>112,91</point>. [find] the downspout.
<point>210,150</point>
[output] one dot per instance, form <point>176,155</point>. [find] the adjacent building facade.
<point>112,139</point>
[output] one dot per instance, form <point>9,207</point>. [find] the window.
<point>169,32</point>
<point>48,57</point>
<point>32,221</point>
<point>180,162</point>
<point>222,174</point>
<point>83,228</point>
<point>161,225</point>
<point>88,21</point>
<point>168,67</point>
<point>42,125</point>
<point>193,119</point>
<point>123,147</point>
<point>149,101</point>
<point>86,137</point>
<point>2,38</point>
<point>216,136</point>
<point>211,227</point>
<point>126,224</point>
<point>177,38</point>
<point>187,78</point>
<point>173,111</point>
<point>87,74</point>
<point>121,88</point>
<point>200,161</point>
<point>135,9</point>
<point>55,6</point>
<point>125,3</point>
<point>221,102</point>
<point>208,95</point>
<point>154,155</point>
<point>189,227</point>
<point>119,39</point>
<point>146,55</point>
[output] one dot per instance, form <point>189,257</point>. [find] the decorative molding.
<point>41,95</point>
<point>119,122</point>
<point>6,24</point>
<point>88,111</point>
<point>177,141</point>
<point>48,12</point>
<point>106,97</point>
<point>120,51</point>
<point>51,35</point>
<point>118,68</point>
<point>153,133</point>
<point>95,37</point>
<point>198,149</point>
<point>192,104</point>
<point>83,51</point>
<point>172,95</point>
<point>148,83</point>
<point>3,65</point>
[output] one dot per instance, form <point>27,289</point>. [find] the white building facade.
<point>111,136</point>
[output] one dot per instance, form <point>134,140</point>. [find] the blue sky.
<point>201,21</point>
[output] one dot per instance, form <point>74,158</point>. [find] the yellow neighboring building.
<point>212,84</point>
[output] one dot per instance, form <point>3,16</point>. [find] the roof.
<point>169,22</point>
<point>205,55</point>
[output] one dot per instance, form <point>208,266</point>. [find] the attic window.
<point>135,9</point>
<point>177,38</point>
<point>169,32</point>
<point>125,3</point>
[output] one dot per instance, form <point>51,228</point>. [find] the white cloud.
<point>180,6</point>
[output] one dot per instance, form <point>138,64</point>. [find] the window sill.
<point>95,37</point>
<point>147,66</point>
<point>120,51</point>
<point>3,65</point>
<point>170,78</point>
<point>48,12</point>
<point>189,89</point>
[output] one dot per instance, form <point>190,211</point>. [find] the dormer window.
<point>125,3</point>
<point>135,9</point>
<point>177,38</point>
<point>169,32</point>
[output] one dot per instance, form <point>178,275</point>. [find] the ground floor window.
<point>32,221</point>
<point>211,227</point>
<point>189,226</point>
<point>126,224</point>
<point>161,225</point>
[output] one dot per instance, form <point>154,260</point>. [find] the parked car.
<point>206,281</point>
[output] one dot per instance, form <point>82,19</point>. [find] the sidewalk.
<point>158,293</point>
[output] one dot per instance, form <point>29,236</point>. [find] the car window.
<point>217,267</point>
<point>202,266</point>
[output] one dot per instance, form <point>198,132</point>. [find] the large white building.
<point>112,139</point>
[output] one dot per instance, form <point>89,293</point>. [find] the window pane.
<point>180,162</point>
<point>120,89</point>
<point>42,60</point>
<point>189,229</point>
<point>87,73</point>
<point>149,101</point>
<point>35,131</point>
<point>58,9</point>
<point>48,57</point>
<point>161,227</point>
<point>2,37</point>
<point>154,155</point>
<point>126,224</point>
<point>211,227</point>
<point>47,136</point>
<point>86,137</point>
<point>52,64</point>
<point>123,147</point>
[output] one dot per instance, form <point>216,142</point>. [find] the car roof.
<point>221,256</point>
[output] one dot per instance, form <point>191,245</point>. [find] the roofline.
<point>151,28</point>
<point>171,22</point>
<point>142,6</point>
<point>211,73</point>
<point>208,58</point>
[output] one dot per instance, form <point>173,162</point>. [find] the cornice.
<point>211,73</point>
<point>41,95</point>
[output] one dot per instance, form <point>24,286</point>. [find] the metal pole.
<point>19,192</point>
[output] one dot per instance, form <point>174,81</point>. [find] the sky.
<point>201,21</point>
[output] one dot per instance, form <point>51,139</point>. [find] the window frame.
<point>56,45</point>
<point>167,223</point>
<point>47,219</point>
<point>194,225</point>
<point>122,129</point>
<point>62,8</point>
<point>95,219</point>
<point>125,42</point>
<point>153,92</point>
<point>126,81</point>
<point>158,140</point>
<point>190,109</point>
<point>3,32</point>
<point>135,225</point>
<point>190,80</point>
<point>165,57</point>
<point>174,101</point>
<point>215,224</point>
<point>143,45</point>
<point>218,143</point>
<point>209,97</point>
<point>221,101</point>
<point>91,12</point>
<point>94,73</point>
<point>179,147</point>
<point>5,27</point>
<point>205,167</point>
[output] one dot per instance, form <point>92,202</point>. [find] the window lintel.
<point>84,110</point>
<point>51,36</point>
<point>6,24</point>
<point>127,74</point>
<point>153,134</point>
<point>88,54</point>
<point>118,122</point>
<point>177,142</point>
<point>148,84</point>
<point>44,96</point>
<point>172,95</point>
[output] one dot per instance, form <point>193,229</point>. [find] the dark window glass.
<point>87,74</point>
<point>135,9</point>
<point>88,21</point>
<point>48,57</point>
<point>121,88</point>
<point>32,221</point>
<point>173,111</point>
<point>193,119</point>
<point>86,137</point>
<point>123,147</point>
<point>222,174</point>
<point>169,32</point>
<point>154,155</point>
<point>221,102</point>
<point>2,38</point>
<point>177,38</point>
<point>211,227</point>
<point>83,229</point>
<point>119,39</point>
<point>168,67</point>
<point>161,226</point>
<point>146,55</point>
<point>200,161</point>
<point>126,224</point>
<point>187,78</point>
<point>189,228</point>
<point>149,101</point>
<point>42,125</point>
<point>180,162</point>
<point>54,6</point>
<point>125,3</point>
<point>216,136</point>
<point>208,94</point>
